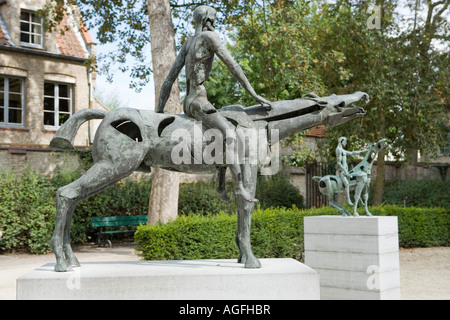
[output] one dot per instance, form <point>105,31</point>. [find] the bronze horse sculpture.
<point>331,185</point>
<point>129,140</point>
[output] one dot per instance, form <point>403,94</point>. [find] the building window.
<point>31,29</point>
<point>446,150</point>
<point>12,97</point>
<point>58,103</point>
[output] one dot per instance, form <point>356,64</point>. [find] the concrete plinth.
<point>173,280</point>
<point>356,257</point>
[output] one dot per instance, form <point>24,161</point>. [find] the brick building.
<point>44,79</point>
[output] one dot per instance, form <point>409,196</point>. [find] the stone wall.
<point>395,172</point>
<point>43,161</point>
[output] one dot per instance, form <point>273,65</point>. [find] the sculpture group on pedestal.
<point>129,139</point>
<point>358,178</point>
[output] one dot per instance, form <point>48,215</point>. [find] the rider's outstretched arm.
<point>168,83</point>
<point>354,153</point>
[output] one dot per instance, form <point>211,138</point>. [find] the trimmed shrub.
<point>189,237</point>
<point>276,233</point>
<point>419,227</point>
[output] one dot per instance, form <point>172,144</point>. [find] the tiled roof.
<point>317,132</point>
<point>68,42</point>
<point>85,33</point>
<point>4,37</point>
<point>3,40</point>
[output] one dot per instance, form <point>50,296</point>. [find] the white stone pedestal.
<point>356,257</point>
<point>285,279</point>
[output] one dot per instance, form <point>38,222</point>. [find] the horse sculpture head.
<point>375,149</point>
<point>380,145</point>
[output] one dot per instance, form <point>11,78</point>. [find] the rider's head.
<point>342,141</point>
<point>204,18</point>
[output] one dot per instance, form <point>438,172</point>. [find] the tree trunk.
<point>379,181</point>
<point>381,166</point>
<point>163,204</point>
<point>412,156</point>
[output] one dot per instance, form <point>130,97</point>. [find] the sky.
<point>120,87</point>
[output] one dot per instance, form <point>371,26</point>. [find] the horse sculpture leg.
<point>57,241</point>
<point>360,185</point>
<point>245,211</point>
<point>334,204</point>
<point>100,176</point>
<point>366,197</point>
<point>221,187</point>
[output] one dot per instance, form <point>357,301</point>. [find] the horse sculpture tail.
<point>65,135</point>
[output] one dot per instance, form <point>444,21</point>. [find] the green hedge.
<point>276,233</point>
<point>419,227</point>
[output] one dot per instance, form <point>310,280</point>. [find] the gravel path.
<point>424,272</point>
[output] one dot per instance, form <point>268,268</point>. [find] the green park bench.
<point>119,221</point>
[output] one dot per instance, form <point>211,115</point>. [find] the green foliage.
<point>276,233</point>
<point>277,191</point>
<point>397,65</point>
<point>419,227</point>
<point>418,193</point>
<point>274,45</point>
<point>27,208</point>
<point>200,198</point>
<point>27,211</point>
<point>189,237</point>
<point>302,152</point>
